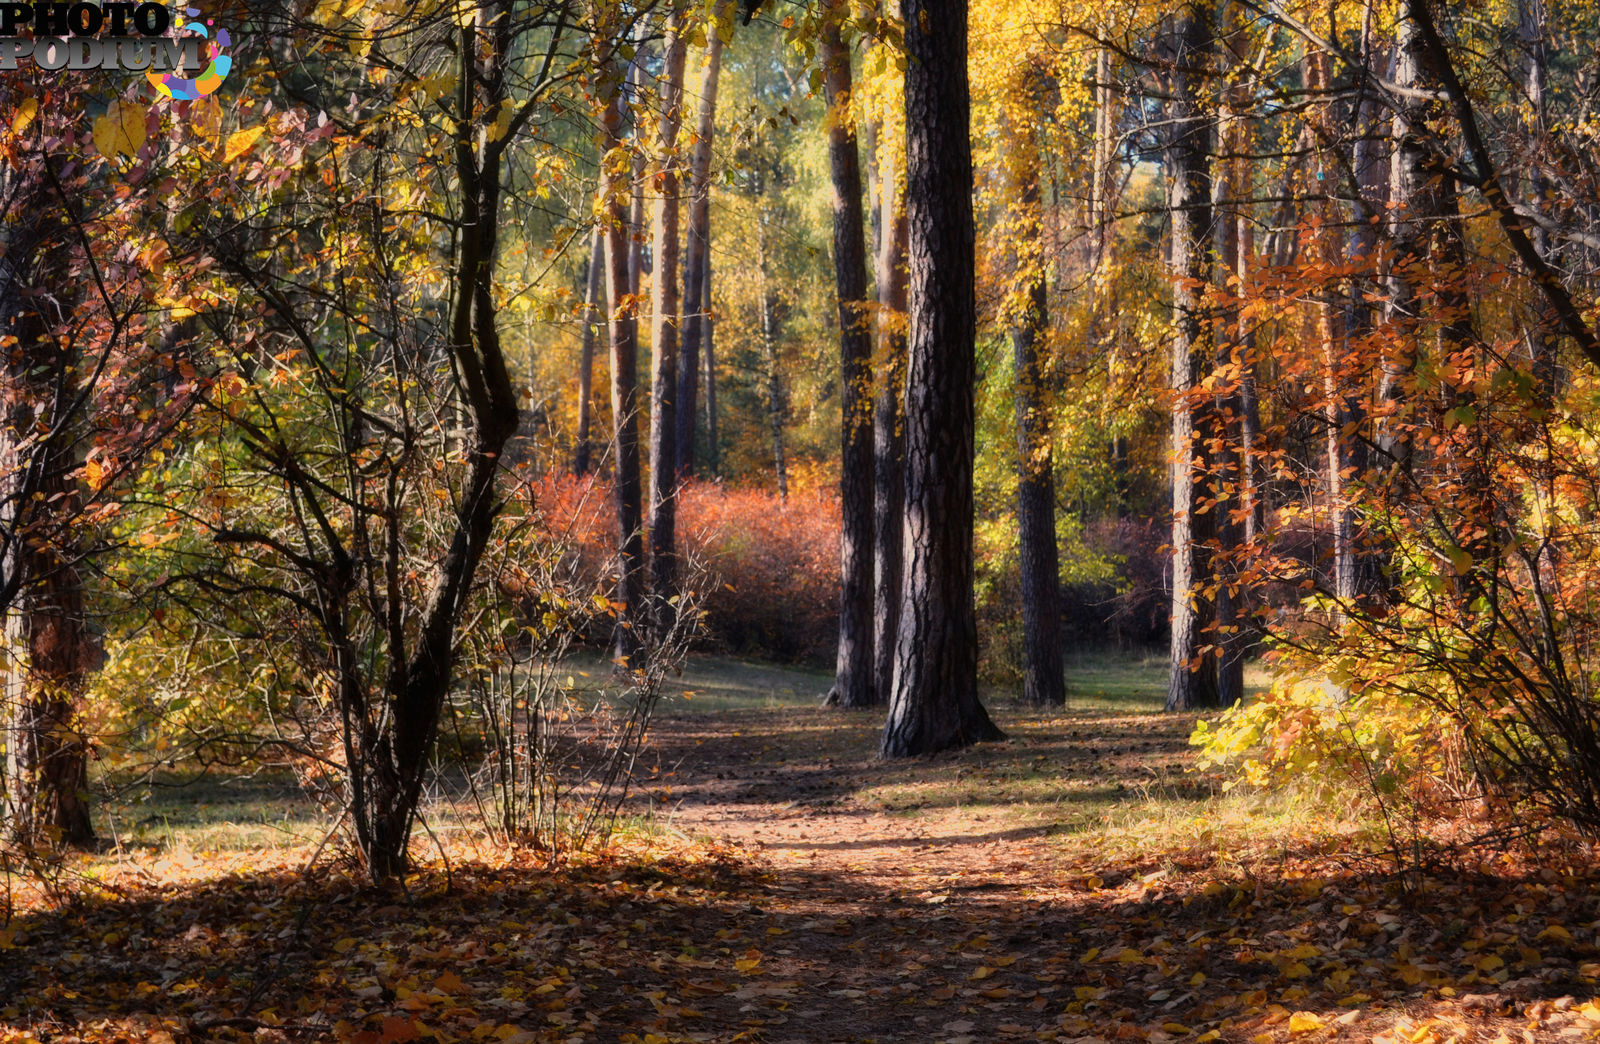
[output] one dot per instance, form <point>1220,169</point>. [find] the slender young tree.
<point>852,685</point>
<point>697,245</point>
<point>623,332</point>
<point>934,702</point>
<point>665,318</point>
<point>888,430</point>
<point>592,320</point>
<point>1043,679</point>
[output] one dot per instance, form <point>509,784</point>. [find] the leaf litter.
<point>789,901</point>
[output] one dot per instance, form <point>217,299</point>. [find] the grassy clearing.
<point>1109,772</point>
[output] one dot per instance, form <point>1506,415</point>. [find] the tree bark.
<point>624,383</point>
<point>48,768</point>
<point>934,701</point>
<point>853,669</point>
<point>708,350</point>
<point>697,247</point>
<point>1043,680</point>
<point>888,433</point>
<point>1536,64</point>
<point>665,317</point>
<point>1193,681</point>
<point>581,462</point>
<point>776,405</point>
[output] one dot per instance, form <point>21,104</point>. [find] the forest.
<point>800,521</point>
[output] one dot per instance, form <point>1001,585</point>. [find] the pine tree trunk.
<point>697,246</point>
<point>934,701</point>
<point>665,316</point>
<point>708,351</point>
<point>1193,682</point>
<point>581,458</point>
<point>853,670</point>
<point>638,227</point>
<point>888,435</point>
<point>623,334</point>
<point>1043,680</point>
<point>776,406</point>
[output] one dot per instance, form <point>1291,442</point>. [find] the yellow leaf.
<point>983,972</point>
<point>746,965</point>
<point>1556,932</point>
<point>121,130</point>
<point>239,143</point>
<point>24,115</point>
<point>1176,1028</point>
<point>205,116</point>
<point>1207,1037</point>
<point>1304,1022</point>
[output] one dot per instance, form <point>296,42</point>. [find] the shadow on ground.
<point>712,948</point>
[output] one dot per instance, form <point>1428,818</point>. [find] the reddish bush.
<point>772,564</point>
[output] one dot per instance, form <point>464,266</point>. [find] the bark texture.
<point>582,457</point>
<point>1193,680</point>
<point>934,701</point>
<point>45,797</point>
<point>1043,680</point>
<point>697,245</point>
<point>888,435</point>
<point>853,677</point>
<point>623,331</point>
<point>665,317</point>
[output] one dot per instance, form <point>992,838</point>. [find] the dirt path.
<point>948,899</point>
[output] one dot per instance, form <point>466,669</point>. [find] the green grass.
<point>1109,763</point>
<point>217,811</point>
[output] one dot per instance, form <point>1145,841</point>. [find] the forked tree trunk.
<point>417,685</point>
<point>1043,681</point>
<point>665,317</point>
<point>697,245</point>
<point>934,701</point>
<point>852,685</point>
<point>1193,681</point>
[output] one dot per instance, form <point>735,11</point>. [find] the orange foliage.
<point>771,564</point>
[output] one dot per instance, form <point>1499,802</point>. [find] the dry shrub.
<point>777,561</point>
<point>774,561</point>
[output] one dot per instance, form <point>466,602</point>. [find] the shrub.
<point>773,562</point>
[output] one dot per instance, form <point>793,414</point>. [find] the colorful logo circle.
<point>180,89</point>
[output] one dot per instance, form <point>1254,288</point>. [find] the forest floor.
<point>1078,882</point>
